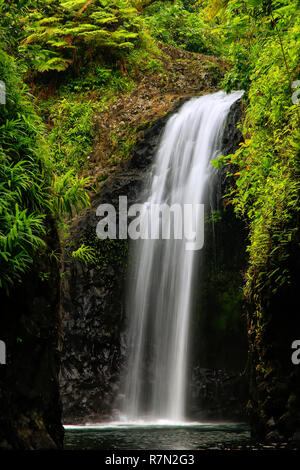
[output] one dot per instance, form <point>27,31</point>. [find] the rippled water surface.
<point>158,437</point>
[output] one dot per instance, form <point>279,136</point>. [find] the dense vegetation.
<point>30,190</point>
<point>266,63</point>
<point>76,56</point>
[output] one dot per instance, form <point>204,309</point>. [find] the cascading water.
<point>162,273</point>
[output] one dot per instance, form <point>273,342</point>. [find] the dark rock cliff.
<point>30,407</point>
<point>218,381</point>
<point>94,316</point>
<point>274,406</point>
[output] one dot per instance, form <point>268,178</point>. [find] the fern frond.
<point>56,63</point>
<point>85,254</point>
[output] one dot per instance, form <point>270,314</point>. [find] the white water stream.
<point>162,276</point>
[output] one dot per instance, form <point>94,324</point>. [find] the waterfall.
<point>162,274</point>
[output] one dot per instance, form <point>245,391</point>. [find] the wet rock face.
<point>93,298</point>
<point>30,407</point>
<point>217,394</point>
<point>144,151</point>
<point>232,135</point>
<point>94,344</point>
<point>218,342</point>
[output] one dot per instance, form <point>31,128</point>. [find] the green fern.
<point>86,254</point>
<point>69,192</point>
<point>56,63</point>
<point>29,190</point>
<point>76,25</point>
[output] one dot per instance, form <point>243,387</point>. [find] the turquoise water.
<point>158,437</point>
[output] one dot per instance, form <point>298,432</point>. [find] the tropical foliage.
<point>63,33</point>
<point>263,39</point>
<point>181,25</point>
<point>79,55</point>
<point>29,190</point>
